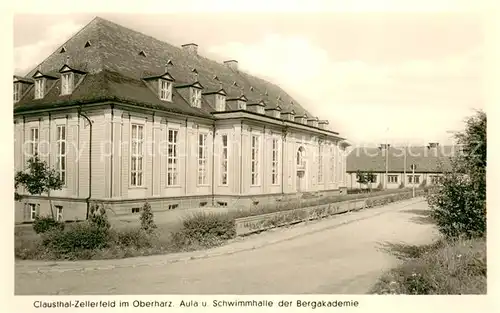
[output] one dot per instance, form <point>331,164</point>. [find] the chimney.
<point>232,64</point>
<point>190,48</point>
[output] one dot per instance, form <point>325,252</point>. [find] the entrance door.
<point>300,180</point>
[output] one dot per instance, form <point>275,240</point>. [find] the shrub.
<point>445,267</point>
<point>205,230</point>
<point>132,237</point>
<point>98,216</point>
<point>147,218</point>
<point>458,203</point>
<point>457,208</point>
<point>45,223</point>
<point>82,236</point>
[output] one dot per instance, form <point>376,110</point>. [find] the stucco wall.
<point>111,155</point>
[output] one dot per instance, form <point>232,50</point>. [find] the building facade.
<point>125,118</point>
<point>392,166</point>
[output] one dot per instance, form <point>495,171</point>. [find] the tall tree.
<point>459,202</point>
<point>38,179</point>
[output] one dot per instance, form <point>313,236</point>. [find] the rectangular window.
<point>17,92</point>
<point>66,83</point>
<point>392,179</point>
<point>39,88</point>
<point>220,102</point>
<point>224,158</point>
<point>320,164</point>
<point>59,212</point>
<point>435,179</point>
<point>172,158</point>
<point>32,211</point>
<point>165,90</point>
<point>202,159</point>
<point>137,155</point>
<point>61,152</point>
<point>255,161</point>
<point>373,179</point>
<point>275,162</point>
<point>196,97</point>
<point>414,179</point>
<point>332,165</point>
<point>34,141</point>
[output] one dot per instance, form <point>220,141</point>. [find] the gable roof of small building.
<point>427,160</point>
<point>115,70</point>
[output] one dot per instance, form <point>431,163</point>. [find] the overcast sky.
<point>401,77</point>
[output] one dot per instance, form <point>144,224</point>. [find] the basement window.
<point>204,203</point>
<point>173,206</point>
<point>220,203</point>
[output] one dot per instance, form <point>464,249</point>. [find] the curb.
<point>207,254</point>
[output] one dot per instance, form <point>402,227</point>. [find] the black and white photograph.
<point>219,152</point>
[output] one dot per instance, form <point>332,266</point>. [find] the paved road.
<point>341,256</point>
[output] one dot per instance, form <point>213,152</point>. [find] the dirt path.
<point>338,255</point>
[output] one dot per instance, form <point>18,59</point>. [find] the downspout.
<point>112,150</point>
<point>153,161</point>
<point>241,158</point>
<point>90,161</point>
<point>283,160</point>
<point>186,161</point>
<point>213,163</point>
<point>264,163</point>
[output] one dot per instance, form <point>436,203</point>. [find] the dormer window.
<point>39,88</point>
<point>242,105</point>
<point>67,83</point>
<point>196,97</point>
<point>165,90</point>
<point>17,91</point>
<point>220,102</point>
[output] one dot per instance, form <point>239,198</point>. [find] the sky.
<point>401,78</point>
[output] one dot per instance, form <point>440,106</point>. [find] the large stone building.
<point>392,166</point>
<point>125,118</point>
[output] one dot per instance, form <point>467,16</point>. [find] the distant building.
<point>168,126</point>
<point>431,162</point>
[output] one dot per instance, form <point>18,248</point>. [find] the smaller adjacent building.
<point>392,166</point>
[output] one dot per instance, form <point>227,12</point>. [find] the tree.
<point>370,177</point>
<point>365,178</point>
<point>361,178</point>
<point>147,218</point>
<point>458,203</point>
<point>37,179</point>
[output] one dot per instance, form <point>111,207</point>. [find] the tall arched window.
<point>300,157</point>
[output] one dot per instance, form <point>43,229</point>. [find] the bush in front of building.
<point>46,223</point>
<point>132,238</point>
<point>147,218</point>
<point>75,240</point>
<point>205,230</point>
